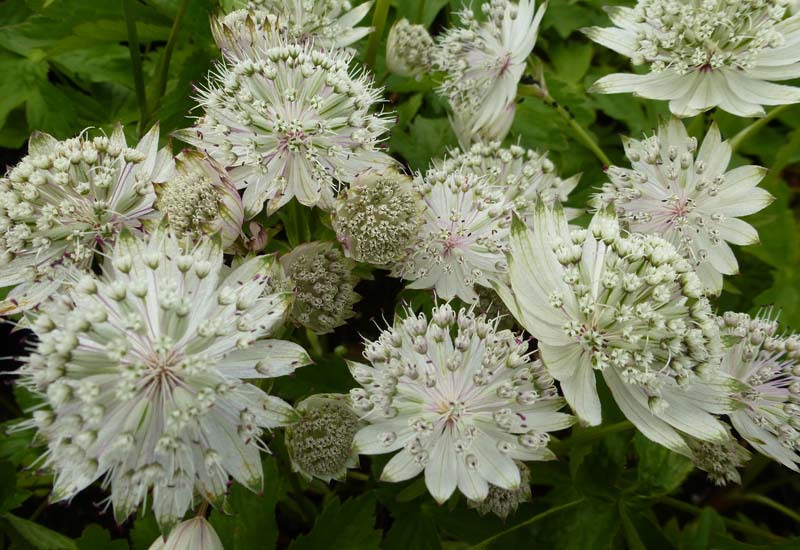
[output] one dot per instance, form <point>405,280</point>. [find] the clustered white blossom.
<point>377,216</point>
<point>483,61</point>
<point>68,200</point>
<point>688,197</point>
<point>629,307</point>
<point>289,121</point>
<point>767,365</point>
<point>705,54</point>
<point>146,337</point>
<point>142,374</point>
<point>460,401</point>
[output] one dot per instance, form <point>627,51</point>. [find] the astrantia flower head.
<point>459,399</point>
<point>629,307</point>
<point>463,122</point>
<point>142,375</point>
<point>377,217</point>
<point>239,34</point>
<point>463,237</point>
<point>328,23</point>
<point>66,201</point>
<point>526,177</point>
<point>768,366</point>
<point>484,61</point>
<point>504,502</point>
<point>720,460</point>
<point>322,280</point>
<point>292,121</point>
<point>200,199</point>
<point>195,534</point>
<point>714,53</point>
<point>688,197</point>
<point>408,49</point>
<point>320,441</point>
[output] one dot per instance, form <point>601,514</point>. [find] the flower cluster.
<point>714,53</point>
<point>483,61</point>
<point>629,307</point>
<point>767,365</point>
<point>688,196</point>
<point>68,200</point>
<point>322,280</point>
<point>289,121</point>
<point>142,370</point>
<point>459,399</point>
<point>408,49</point>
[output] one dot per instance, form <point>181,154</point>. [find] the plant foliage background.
<point>65,66</point>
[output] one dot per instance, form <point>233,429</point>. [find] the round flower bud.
<point>504,502</point>
<point>408,49</point>
<point>320,443</point>
<point>377,217</point>
<point>322,281</point>
<point>200,199</point>
<point>719,460</point>
<point>195,533</point>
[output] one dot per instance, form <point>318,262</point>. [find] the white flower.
<point>483,62</point>
<point>292,121</point>
<point>459,399</point>
<point>68,200</point>
<point>688,197</point>
<point>768,366</point>
<point>408,49</point>
<point>629,307</point>
<point>463,122</point>
<point>142,375</point>
<point>200,199</point>
<point>328,23</point>
<point>320,441</point>
<point>377,217</point>
<point>525,177</point>
<point>192,534</point>
<point>463,237</point>
<point>241,33</point>
<point>322,280</point>
<point>714,53</point>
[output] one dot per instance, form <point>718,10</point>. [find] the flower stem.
<point>166,55</point>
<point>754,127</point>
<point>313,340</point>
<point>136,61</point>
<point>582,135</point>
<point>732,523</point>
<point>527,522</point>
<point>378,23</point>
<point>777,506</point>
<point>201,511</point>
<point>421,12</point>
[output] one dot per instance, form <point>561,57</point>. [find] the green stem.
<point>582,135</point>
<point>528,521</point>
<point>732,523</point>
<point>166,55</point>
<point>753,128</point>
<point>136,61</point>
<point>316,347</point>
<point>421,12</point>
<point>591,434</point>
<point>378,23</point>
<point>777,506</point>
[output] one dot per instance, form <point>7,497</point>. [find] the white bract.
<point>463,236</point>
<point>290,122</point>
<point>688,197</point>
<point>192,534</point>
<point>142,371</point>
<point>628,307</point>
<point>705,54</point>
<point>483,62</point>
<point>68,200</point>
<point>459,399</point>
<point>768,366</point>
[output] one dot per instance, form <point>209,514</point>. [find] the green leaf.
<point>344,526</point>
<point>414,528</point>
<point>660,471</point>
<point>571,60</point>
<point>145,530</point>
<point>410,9</point>
<point>252,521</point>
<point>422,140</point>
<point>29,534</point>
<point>95,537</point>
